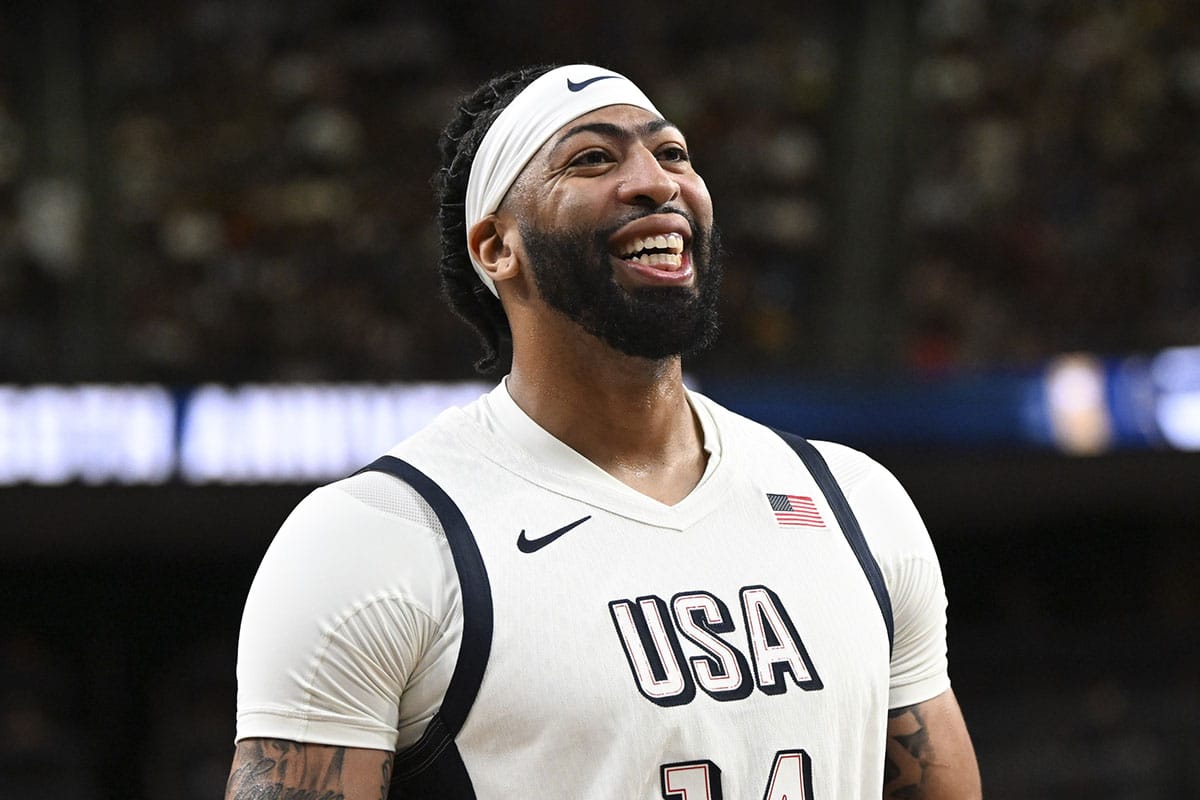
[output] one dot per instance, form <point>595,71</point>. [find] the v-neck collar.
<point>521,445</point>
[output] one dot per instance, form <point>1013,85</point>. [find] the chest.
<point>734,643</point>
<point>605,627</point>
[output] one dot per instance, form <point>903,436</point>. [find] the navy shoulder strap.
<point>815,462</point>
<point>433,768</point>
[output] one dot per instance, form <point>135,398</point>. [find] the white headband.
<point>542,107</point>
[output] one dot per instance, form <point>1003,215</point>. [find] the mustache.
<point>666,208</point>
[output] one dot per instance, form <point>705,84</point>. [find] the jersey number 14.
<point>791,779</point>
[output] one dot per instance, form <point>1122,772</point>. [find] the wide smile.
<point>655,250</point>
<point>664,251</point>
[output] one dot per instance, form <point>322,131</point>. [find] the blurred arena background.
<point>963,236</point>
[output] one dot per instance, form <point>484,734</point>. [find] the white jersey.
<point>515,622</point>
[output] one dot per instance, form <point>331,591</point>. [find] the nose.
<point>645,182</point>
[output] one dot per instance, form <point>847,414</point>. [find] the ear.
<point>491,241</point>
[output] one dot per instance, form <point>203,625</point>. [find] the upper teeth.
<point>671,242</point>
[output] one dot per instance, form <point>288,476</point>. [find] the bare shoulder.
<point>278,768</point>
<point>929,753</point>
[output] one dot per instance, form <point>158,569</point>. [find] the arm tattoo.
<point>276,769</point>
<point>909,753</point>
<point>386,784</point>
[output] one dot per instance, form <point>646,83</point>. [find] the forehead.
<point>630,121</point>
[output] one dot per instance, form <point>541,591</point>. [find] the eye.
<point>591,158</point>
<point>673,152</point>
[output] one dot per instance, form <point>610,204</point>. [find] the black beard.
<point>574,274</point>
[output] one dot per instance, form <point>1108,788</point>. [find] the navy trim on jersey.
<point>815,462</point>
<point>433,766</point>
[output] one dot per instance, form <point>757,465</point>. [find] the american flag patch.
<point>793,510</point>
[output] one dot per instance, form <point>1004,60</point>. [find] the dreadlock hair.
<point>461,288</point>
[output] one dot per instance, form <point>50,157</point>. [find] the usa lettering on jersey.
<point>652,631</point>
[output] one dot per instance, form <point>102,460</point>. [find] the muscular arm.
<point>929,753</point>
<point>276,769</point>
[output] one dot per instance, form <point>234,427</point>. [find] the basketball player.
<point>591,582</point>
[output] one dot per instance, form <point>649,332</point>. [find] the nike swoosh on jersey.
<point>526,545</point>
<point>579,87</point>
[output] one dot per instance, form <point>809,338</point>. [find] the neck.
<point>630,416</point>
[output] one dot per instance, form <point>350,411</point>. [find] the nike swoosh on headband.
<point>579,87</point>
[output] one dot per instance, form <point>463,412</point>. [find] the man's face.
<point>618,233</point>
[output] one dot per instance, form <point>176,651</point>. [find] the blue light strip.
<point>253,434</point>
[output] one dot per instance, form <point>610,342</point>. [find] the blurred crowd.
<point>256,203</point>
<point>1054,158</point>
<point>241,191</point>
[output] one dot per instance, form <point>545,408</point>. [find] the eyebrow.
<point>615,131</point>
